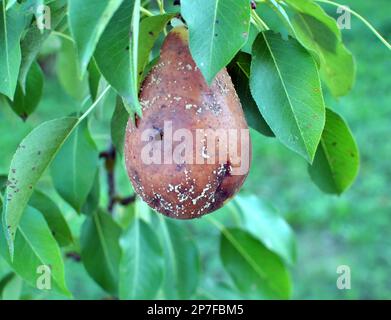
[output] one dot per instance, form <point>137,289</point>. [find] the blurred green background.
<point>349,230</point>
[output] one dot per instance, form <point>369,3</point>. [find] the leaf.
<point>239,70</point>
<point>266,225</point>
<point>319,33</point>
<point>182,260</point>
<point>73,170</point>
<point>53,216</point>
<point>33,156</point>
<point>115,43</point>
<point>94,77</point>
<point>218,29</point>
<point>87,21</point>
<point>337,159</point>
<point>285,84</point>
<point>92,203</point>
<point>68,71</point>
<point>13,289</point>
<point>34,38</point>
<point>118,125</point>
<point>11,27</point>
<point>150,28</point>
<point>253,268</point>
<point>35,246</point>
<point>4,281</point>
<point>142,264</point>
<point>24,104</point>
<point>100,250</point>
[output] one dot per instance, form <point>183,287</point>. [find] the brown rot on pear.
<point>190,152</point>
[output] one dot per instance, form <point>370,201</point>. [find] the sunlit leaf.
<point>117,52</point>
<point>285,84</point>
<point>319,33</point>
<point>31,159</point>
<point>218,29</point>
<point>265,224</point>
<point>255,270</point>
<point>12,24</point>
<point>150,28</point>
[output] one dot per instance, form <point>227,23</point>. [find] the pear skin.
<point>178,155</point>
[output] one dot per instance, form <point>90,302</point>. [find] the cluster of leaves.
<point>109,46</point>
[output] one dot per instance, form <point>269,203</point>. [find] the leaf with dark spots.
<point>38,149</point>
<point>336,162</point>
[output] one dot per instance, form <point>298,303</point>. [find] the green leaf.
<point>92,203</point>
<point>118,125</point>
<point>319,33</point>
<point>4,281</point>
<point>13,289</point>
<point>142,264</point>
<point>254,269</point>
<point>115,43</point>
<point>9,3</point>
<point>94,77</point>
<point>100,250</point>
<point>87,21</point>
<point>181,258</point>
<point>239,70</point>
<point>35,246</point>
<point>337,159</point>
<point>34,39</point>
<point>53,216</point>
<point>285,84</point>
<point>68,71</point>
<point>12,23</point>
<point>150,28</point>
<point>218,29</point>
<point>73,170</point>
<point>266,225</point>
<point>24,104</point>
<point>31,159</point>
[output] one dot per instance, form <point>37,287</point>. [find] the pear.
<point>190,152</point>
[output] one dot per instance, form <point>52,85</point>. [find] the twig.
<point>110,157</point>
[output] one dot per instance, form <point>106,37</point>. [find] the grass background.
<point>352,229</point>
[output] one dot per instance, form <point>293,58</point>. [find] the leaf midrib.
<point>20,229</point>
<point>286,91</point>
<point>249,259</point>
<point>103,243</point>
<point>213,33</point>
